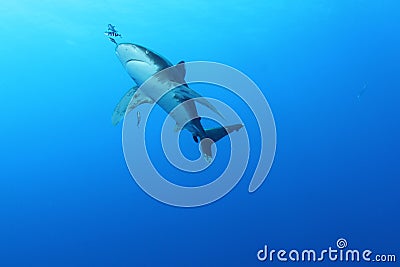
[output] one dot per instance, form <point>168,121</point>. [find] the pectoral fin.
<point>184,93</point>
<point>138,99</point>
<point>128,102</point>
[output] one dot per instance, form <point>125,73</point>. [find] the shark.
<point>170,91</point>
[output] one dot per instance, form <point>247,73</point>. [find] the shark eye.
<point>147,52</point>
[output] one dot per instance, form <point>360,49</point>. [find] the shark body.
<point>169,90</point>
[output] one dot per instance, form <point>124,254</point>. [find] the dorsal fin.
<point>181,69</point>
<point>181,72</point>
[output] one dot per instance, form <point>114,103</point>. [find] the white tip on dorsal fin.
<point>181,69</point>
<point>180,73</point>
<point>128,102</point>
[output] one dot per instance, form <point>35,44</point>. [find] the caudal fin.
<point>212,136</point>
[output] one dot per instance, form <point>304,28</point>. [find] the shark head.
<point>139,62</point>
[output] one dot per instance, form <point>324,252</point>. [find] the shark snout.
<point>121,49</point>
<point>126,52</point>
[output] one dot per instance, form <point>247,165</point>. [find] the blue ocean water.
<point>67,197</point>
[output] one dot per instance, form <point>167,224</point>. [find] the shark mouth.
<point>134,60</point>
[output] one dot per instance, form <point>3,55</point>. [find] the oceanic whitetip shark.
<point>169,90</point>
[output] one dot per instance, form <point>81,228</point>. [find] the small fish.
<point>112,34</point>
<point>138,118</point>
<point>112,40</point>
<point>111,28</point>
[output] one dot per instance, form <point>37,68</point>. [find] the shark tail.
<point>212,136</point>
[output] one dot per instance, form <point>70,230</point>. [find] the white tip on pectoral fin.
<point>186,93</point>
<point>138,99</point>
<point>128,102</point>
<point>120,109</point>
<point>207,104</point>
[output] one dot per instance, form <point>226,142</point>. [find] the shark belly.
<point>162,91</point>
<point>165,95</point>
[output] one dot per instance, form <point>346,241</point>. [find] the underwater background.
<point>330,71</point>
